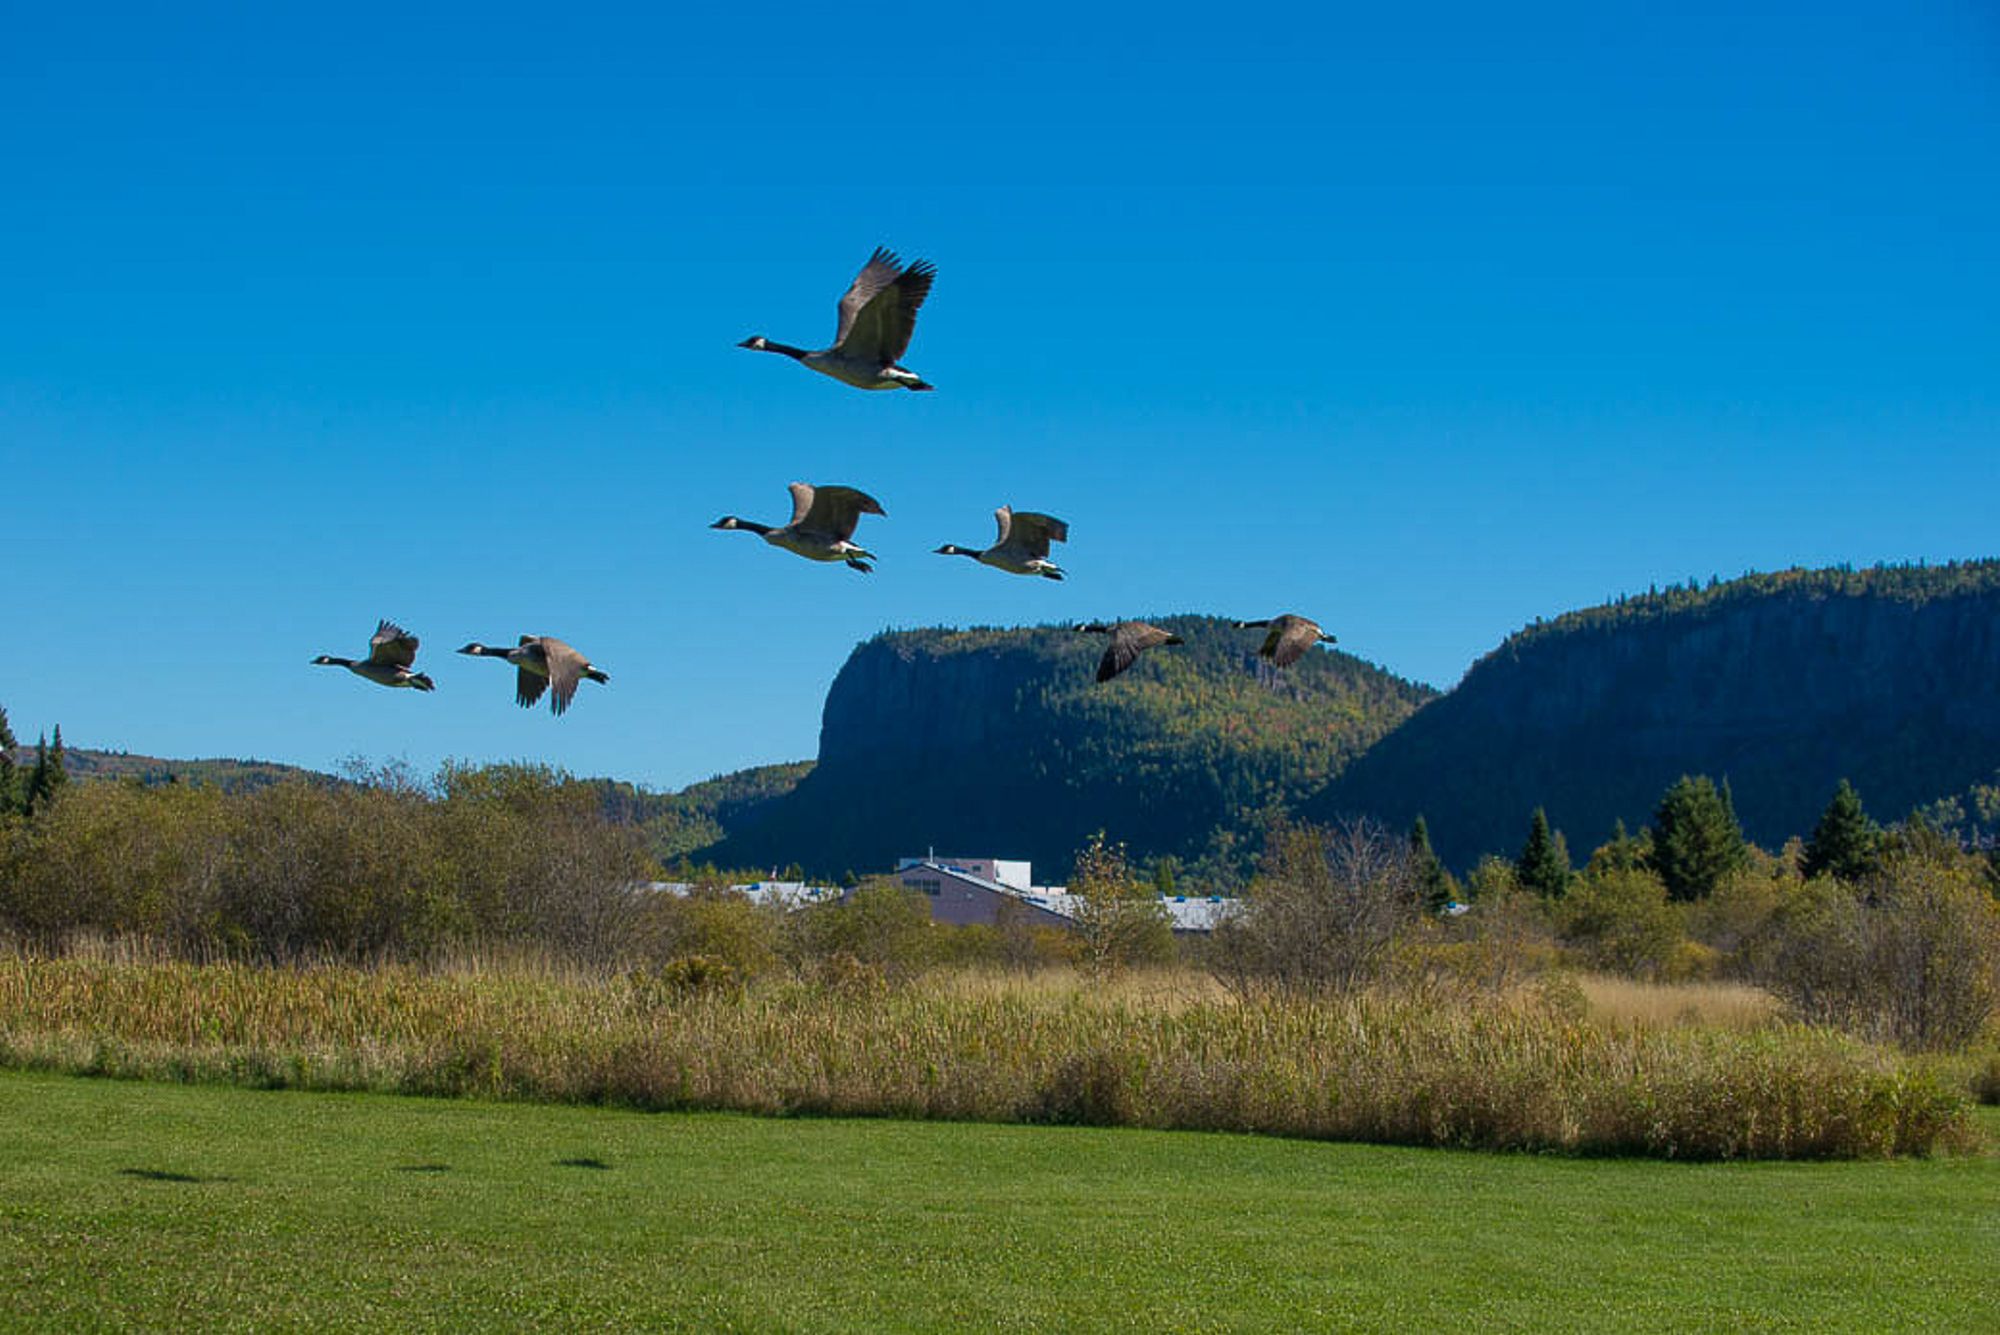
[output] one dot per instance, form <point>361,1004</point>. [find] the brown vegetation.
<point>1531,1071</point>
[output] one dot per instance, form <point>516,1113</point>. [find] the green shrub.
<point>1913,957</point>
<point>880,923</point>
<point>716,924</point>
<point>384,869</point>
<point>1620,920</point>
<point>1326,912</point>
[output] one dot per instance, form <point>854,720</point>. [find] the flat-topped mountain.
<point>1781,683</point>
<point>988,739</point>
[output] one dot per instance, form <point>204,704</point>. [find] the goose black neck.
<point>796,354</point>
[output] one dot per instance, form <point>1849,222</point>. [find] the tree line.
<point>24,791</point>
<point>1890,931</point>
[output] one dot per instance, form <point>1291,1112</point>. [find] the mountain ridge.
<point>1782,683</point>
<point>1000,738</point>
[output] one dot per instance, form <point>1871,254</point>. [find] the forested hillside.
<point>1000,742</point>
<point>1782,684</point>
<point>683,824</point>
<point>231,776</point>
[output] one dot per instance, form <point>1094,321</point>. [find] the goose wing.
<point>1289,639</point>
<point>392,646</point>
<point>528,687</point>
<point>1029,533</point>
<point>530,677</point>
<point>1129,639</point>
<point>566,668</point>
<point>879,312</point>
<point>834,511</point>
<point>802,502</point>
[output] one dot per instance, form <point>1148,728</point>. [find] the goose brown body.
<point>1290,636</point>
<point>392,656</point>
<point>822,525</point>
<point>1129,639</point>
<point>877,317</point>
<point>1022,547</point>
<point>543,663</point>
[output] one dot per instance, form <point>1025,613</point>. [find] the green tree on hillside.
<point>1624,851</point>
<point>1845,843</point>
<point>9,786</point>
<point>1696,840</point>
<point>1543,866</point>
<point>48,776</point>
<point>1439,889</point>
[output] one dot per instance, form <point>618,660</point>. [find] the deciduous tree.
<point>1119,922</point>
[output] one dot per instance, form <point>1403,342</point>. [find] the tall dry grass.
<point>1527,1073</point>
<point>1634,1001</point>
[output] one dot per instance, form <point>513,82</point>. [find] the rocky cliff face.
<point>1782,684</point>
<point>999,742</point>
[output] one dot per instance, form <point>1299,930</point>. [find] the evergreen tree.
<point>48,776</point>
<point>1543,866</point>
<point>1623,852</point>
<point>9,789</point>
<point>1435,881</point>
<point>36,790</point>
<point>1845,842</point>
<point>1696,840</point>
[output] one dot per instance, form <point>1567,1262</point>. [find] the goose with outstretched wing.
<point>1289,638</point>
<point>822,525</point>
<point>1129,639</point>
<point>392,657</point>
<point>543,663</point>
<point>877,317</point>
<point>1022,548</point>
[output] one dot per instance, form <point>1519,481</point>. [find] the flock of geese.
<point>878,316</point>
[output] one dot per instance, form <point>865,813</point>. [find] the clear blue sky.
<point>1424,320</point>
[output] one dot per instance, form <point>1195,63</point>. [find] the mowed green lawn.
<point>165,1205</point>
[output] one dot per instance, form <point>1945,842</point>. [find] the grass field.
<point>165,1205</point>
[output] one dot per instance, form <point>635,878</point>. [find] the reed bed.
<point>1514,1075</point>
<point>1716,1005</point>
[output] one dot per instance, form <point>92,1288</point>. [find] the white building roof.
<point>1187,913</point>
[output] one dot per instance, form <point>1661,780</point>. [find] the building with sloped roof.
<point>973,890</point>
<point>960,895</point>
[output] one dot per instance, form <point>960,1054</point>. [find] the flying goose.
<point>543,661</point>
<point>1023,545</point>
<point>1289,639</point>
<point>391,651</point>
<point>877,317</point>
<point>1129,639</point>
<point>822,526</point>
